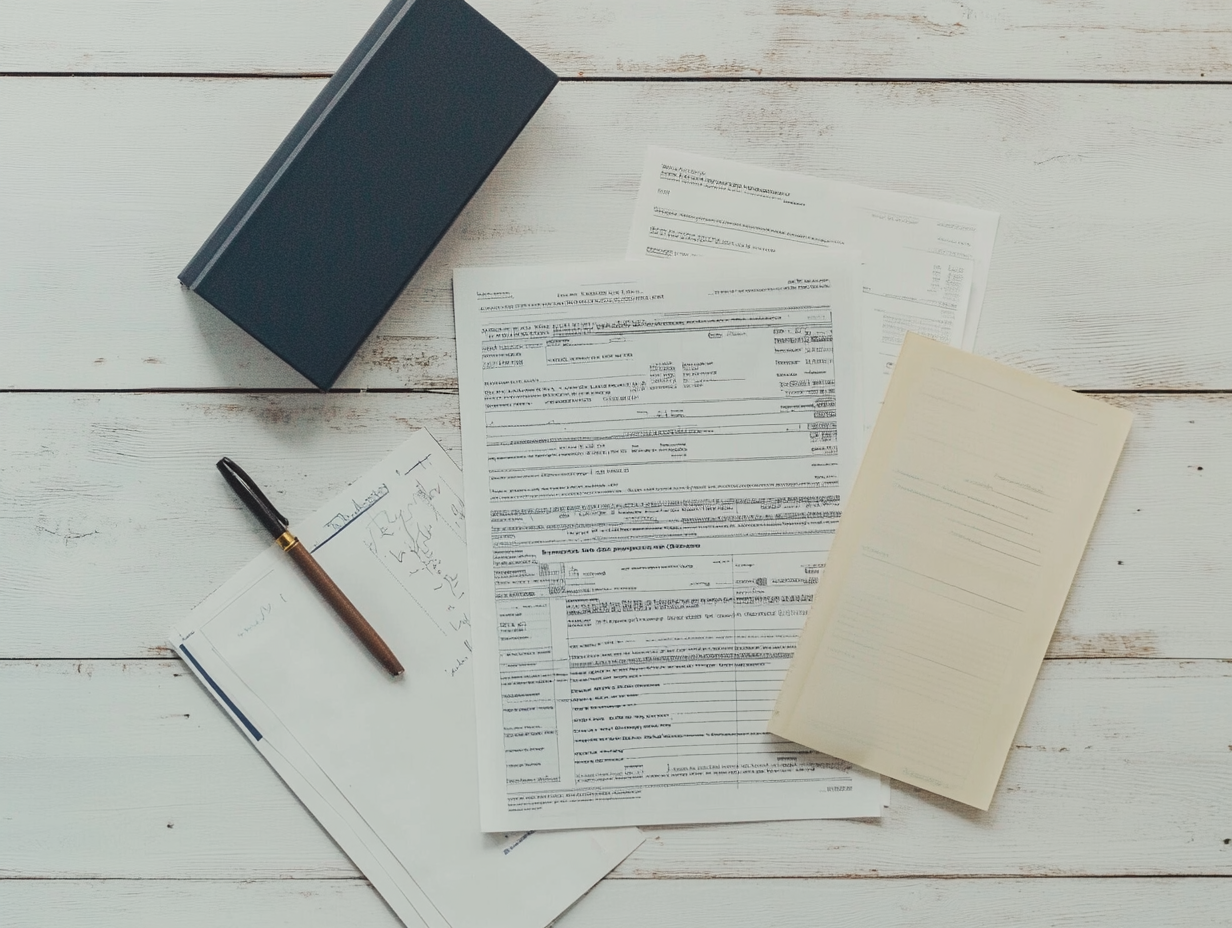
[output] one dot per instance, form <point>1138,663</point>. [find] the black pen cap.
<point>252,497</point>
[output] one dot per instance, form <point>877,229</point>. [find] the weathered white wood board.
<point>1103,39</point>
<point>1111,268</point>
<point>127,770</point>
<point>199,904</point>
<point>1112,271</point>
<point>903,903</point>
<point>121,522</point>
<point>1125,903</point>
<point>116,523</point>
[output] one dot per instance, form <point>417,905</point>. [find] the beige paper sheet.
<point>973,505</point>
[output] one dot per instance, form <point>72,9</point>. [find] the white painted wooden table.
<point>1102,131</point>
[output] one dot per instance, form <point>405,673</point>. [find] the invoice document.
<point>977,495</point>
<point>926,262</point>
<point>386,766</point>
<point>655,454</point>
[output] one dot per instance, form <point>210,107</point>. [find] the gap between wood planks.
<point>164,653</point>
<point>293,391</point>
<point>658,879</point>
<point>659,78</point>
<point>444,391</point>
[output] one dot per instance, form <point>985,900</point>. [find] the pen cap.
<point>252,497</point>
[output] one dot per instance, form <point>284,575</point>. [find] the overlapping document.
<point>656,463</point>
<point>925,261</point>
<point>655,459</point>
<point>658,454</point>
<point>386,766</point>
<point>968,519</point>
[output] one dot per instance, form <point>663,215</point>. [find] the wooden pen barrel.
<point>344,607</point>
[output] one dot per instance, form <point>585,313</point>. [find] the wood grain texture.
<point>106,555</point>
<point>116,523</point>
<point>922,903</point>
<point>127,770</point>
<point>1110,271</point>
<point>1099,39</point>
<point>117,769</point>
<point>195,903</point>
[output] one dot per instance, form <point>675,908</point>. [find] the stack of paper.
<point>386,766</point>
<point>658,455</point>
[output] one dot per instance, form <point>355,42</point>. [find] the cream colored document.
<point>386,766</point>
<point>948,572</point>
<point>925,262</point>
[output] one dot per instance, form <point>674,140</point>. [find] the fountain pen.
<point>252,497</point>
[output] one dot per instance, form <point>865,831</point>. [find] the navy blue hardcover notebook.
<point>357,196</point>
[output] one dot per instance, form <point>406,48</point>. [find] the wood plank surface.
<point>919,903</point>
<point>116,522</point>
<point>128,799</point>
<point>127,770</point>
<point>105,555</point>
<point>1071,40</point>
<point>1111,269</point>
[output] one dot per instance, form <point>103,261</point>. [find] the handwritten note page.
<point>655,455</point>
<point>925,262</point>
<point>973,505</point>
<point>388,765</point>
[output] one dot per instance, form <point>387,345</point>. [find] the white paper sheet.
<point>926,262</point>
<point>654,452</point>
<point>387,766</point>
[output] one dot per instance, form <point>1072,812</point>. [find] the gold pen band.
<point>264,510</point>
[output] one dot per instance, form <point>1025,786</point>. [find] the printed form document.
<point>953,559</point>
<point>925,262</point>
<point>386,766</point>
<point>654,454</point>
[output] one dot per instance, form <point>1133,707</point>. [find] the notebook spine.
<point>194,272</point>
<point>337,372</point>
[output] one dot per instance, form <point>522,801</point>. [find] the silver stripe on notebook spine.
<point>302,142</point>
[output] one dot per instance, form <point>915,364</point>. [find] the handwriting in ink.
<point>263,613</point>
<point>358,508</point>
<point>403,473</point>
